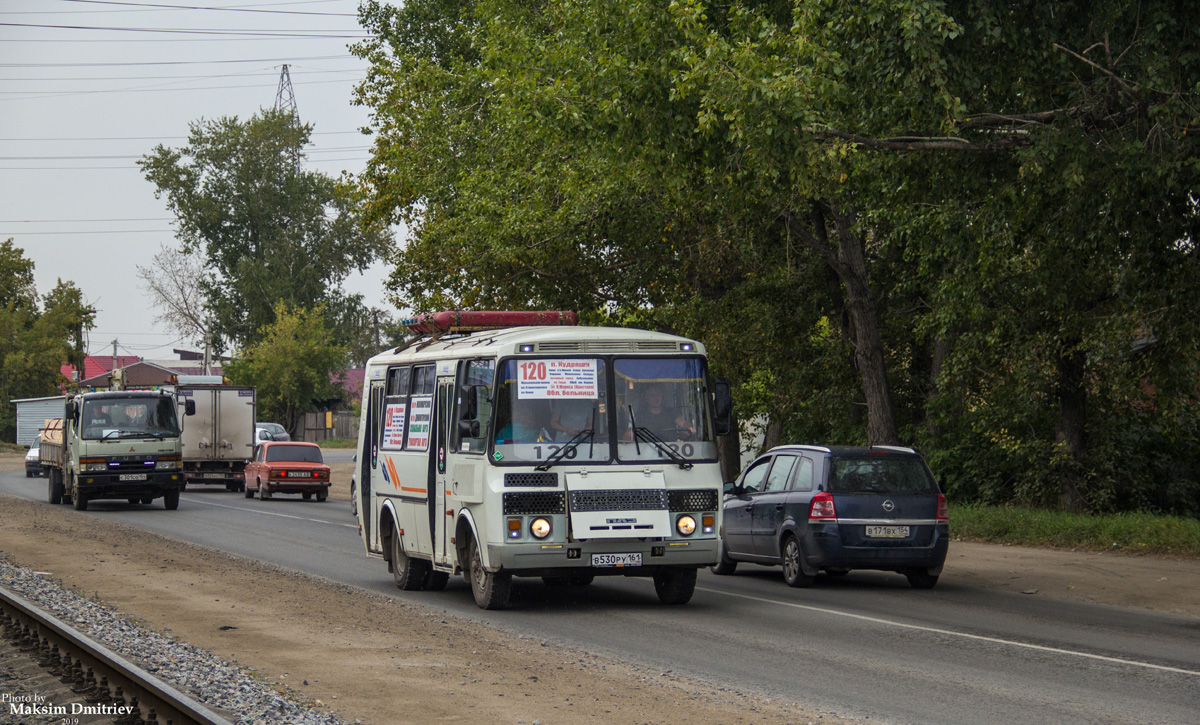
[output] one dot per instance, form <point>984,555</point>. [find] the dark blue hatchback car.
<point>834,509</point>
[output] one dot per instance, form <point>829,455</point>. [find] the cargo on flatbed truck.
<point>218,441</point>
<point>115,445</point>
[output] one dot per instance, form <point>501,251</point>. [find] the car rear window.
<point>879,474</point>
<point>294,454</point>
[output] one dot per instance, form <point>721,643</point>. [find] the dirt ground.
<point>383,661</point>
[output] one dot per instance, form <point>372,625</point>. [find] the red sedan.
<point>287,467</point>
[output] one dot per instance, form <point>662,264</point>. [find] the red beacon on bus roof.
<point>434,323</point>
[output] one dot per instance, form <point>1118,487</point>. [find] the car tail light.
<point>822,507</point>
<point>943,513</point>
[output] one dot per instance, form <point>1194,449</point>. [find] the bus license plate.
<point>132,477</point>
<point>617,559</point>
<point>887,532</point>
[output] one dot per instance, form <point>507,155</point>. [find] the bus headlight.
<point>540,528</point>
<point>685,525</point>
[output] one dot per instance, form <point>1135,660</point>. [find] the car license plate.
<point>887,532</point>
<point>132,477</point>
<point>299,474</point>
<point>617,559</point>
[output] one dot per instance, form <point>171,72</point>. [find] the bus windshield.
<point>633,409</point>
<point>133,417</point>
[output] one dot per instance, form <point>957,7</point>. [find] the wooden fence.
<point>317,427</point>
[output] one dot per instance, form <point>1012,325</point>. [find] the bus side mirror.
<point>722,407</point>
<point>189,407</point>
<point>468,423</point>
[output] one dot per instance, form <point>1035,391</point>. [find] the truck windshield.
<point>652,408</point>
<point>134,417</point>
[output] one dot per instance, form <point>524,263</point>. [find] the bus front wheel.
<point>675,586</point>
<point>491,588</point>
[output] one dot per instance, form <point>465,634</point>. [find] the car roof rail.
<point>899,449</point>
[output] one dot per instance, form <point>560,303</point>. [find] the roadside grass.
<point>11,448</point>
<point>338,443</point>
<point>1137,533</point>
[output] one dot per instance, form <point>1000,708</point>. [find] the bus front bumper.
<point>602,558</point>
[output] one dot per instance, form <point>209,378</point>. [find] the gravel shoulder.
<point>380,660</point>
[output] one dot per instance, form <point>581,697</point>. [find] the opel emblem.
<point>888,505</point>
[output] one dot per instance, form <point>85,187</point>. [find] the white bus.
<point>507,444</point>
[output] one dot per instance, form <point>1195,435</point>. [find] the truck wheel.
<point>675,586</point>
<point>56,486</point>
<point>171,500</point>
<point>80,502</point>
<point>491,588</point>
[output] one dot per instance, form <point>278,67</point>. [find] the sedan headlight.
<point>685,525</point>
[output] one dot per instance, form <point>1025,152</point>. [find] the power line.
<point>170,31</point>
<point>150,138</point>
<point>224,10</point>
<point>145,89</point>
<point>342,56</point>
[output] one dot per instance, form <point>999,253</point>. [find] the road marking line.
<point>267,513</point>
<point>964,635</point>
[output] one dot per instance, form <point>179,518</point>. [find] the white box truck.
<point>218,441</point>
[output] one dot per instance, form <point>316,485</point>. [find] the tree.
<point>292,364</point>
<point>37,337</point>
<point>267,231</point>
<point>173,282</point>
<point>899,188</point>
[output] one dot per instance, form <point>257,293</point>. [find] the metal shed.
<point>32,413</point>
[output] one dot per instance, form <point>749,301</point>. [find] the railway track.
<point>104,684</point>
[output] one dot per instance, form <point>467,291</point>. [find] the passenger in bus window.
<point>569,417</point>
<point>526,425</point>
<point>652,412</point>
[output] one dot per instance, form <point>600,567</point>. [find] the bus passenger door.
<point>368,465</point>
<point>443,415</point>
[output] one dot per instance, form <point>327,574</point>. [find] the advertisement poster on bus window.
<point>393,425</point>
<point>557,379</point>
<point>419,423</point>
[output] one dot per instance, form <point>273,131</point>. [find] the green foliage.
<point>1006,191</point>
<point>37,337</point>
<point>292,364</point>
<point>1139,533</point>
<point>269,231</point>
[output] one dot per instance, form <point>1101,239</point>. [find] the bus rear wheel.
<point>408,573</point>
<point>491,588</point>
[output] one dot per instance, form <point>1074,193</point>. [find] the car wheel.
<point>171,500</point>
<point>321,496</point>
<point>491,588</point>
<point>262,492</point>
<point>675,586</point>
<point>147,500</point>
<point>353,502</point>
<point>921,578</point>
<point>247,492</point>
<point>28,474</point>
<point>725,566</point>
<point>408,573</point>
<point>55,486</point>
<point>307,495</point>
<point>793,572</point>
<point>134,501</point>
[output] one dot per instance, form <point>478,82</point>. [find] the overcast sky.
<point>88,87</point>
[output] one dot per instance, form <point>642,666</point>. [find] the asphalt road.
<point>864,645</point>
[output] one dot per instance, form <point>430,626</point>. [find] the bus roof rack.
<point>440,323</point>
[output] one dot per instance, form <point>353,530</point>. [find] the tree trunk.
<point>771,435</point>
<point>848,259</point>
<point>1070,433</point>
<point>937,359</point>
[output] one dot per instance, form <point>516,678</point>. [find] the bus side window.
<point>474,373</point>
